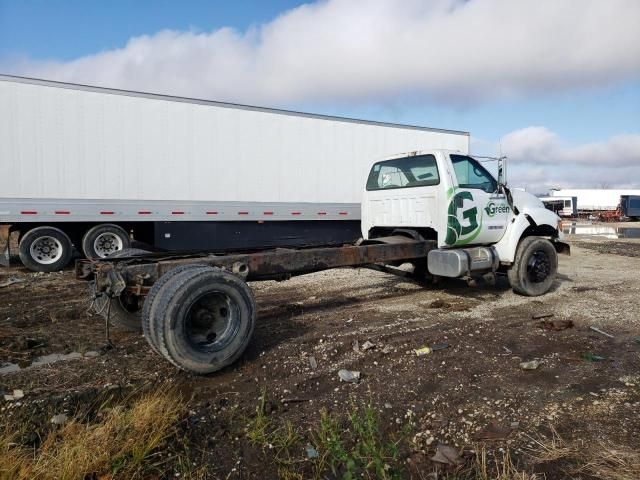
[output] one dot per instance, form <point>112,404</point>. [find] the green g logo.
<point>454,229</point>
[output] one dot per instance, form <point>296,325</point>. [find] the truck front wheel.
<point>534,269</point>
<point>45,249</point>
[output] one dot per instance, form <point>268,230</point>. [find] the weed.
<point>282,442</point>
<point>359,448</point>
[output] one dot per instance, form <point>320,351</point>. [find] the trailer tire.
<point>534,268</point>
<point>125,311</point>
<point>105,240</point>
<point>45,249</point>
<point>204,319</point>
<point>148,328</point>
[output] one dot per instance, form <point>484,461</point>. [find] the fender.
<point>529,217</point>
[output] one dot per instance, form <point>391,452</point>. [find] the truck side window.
<point>407,172</point>
<point>471,174</point>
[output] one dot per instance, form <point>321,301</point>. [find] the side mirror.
<point>502,171</point>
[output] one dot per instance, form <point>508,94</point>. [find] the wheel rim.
<point>538,266</point>
<point>46,250</point>
<point>212,322</point>
<point>107,244</point>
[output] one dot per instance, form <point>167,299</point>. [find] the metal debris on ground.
<point>11,281</point>
<point>531,365</point>
<point>538,316</point>
<point>596,329</point>
<point>355,345</point>
<point>591,357</point>
<point>422,351</point>
<point>349,376</point>
<point>447,455</point>
<point>313,362</point>
<point>555,325</point>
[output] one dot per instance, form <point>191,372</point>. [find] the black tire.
<point>105,240</point>
<point>45,249</point>
<point>126,310</point>
<point>148,328</point>
<point>203,319</point>
<point>534,269</point>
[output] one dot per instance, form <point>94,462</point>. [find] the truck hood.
<point>524,200</point>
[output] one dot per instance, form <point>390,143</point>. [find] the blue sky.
<point>556,92</point>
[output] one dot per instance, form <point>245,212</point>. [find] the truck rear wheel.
<point>45,249</point>
<point>534,269</point>
<point>126,310</point>
<point>203,319</point>
<point>148,328</point>
<point>104,240</point>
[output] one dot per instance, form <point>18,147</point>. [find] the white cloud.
<point>540,160</point>
<point>453,51</point>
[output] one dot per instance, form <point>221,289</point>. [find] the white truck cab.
<point>478,223</point>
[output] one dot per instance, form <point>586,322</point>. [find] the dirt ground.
<point>475,392</point>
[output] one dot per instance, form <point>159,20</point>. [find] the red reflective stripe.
<point>295,213</point>
<point>106,213</point>
<point>343,213</point>
<point>243,213</point>
<point>28,212</point>
<point>62,212</point>
<point>322,213</point>
<point>267,213</point>
<point>144,213</point>
<point>212,213</point>
<point>177,213</point>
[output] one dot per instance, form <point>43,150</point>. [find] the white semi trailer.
<point>595,200</point>
<point>90,169</point>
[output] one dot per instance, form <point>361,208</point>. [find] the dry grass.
<point>120,445</point>
<point>499,467</point>
<point>598,459</point>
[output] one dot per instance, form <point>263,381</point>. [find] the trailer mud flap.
<point>5,253</point>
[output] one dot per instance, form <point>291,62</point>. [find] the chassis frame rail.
<point>138,274</point>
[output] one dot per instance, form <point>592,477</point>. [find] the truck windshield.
<point>407,172</point>
<point>471,174</point>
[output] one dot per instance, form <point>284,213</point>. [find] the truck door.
<point>402,192</point>
<point>477,213</point>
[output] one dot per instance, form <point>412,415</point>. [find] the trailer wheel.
<point>203,319</point>
<point>148,328</point>
<point>45,249</point>
<point>104,240</point>
<point>126,310</point>
<point>534,269</point>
